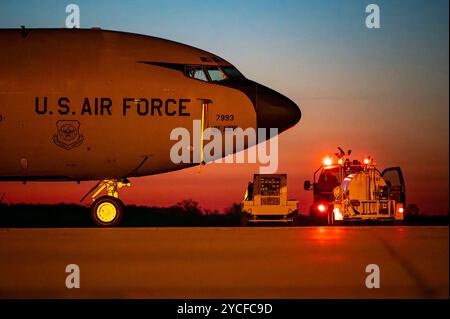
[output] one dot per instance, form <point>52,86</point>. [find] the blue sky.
<point>274,40</point>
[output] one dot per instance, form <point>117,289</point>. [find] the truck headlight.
<point>337,214</point>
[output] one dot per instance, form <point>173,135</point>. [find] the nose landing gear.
<point>107,210</point>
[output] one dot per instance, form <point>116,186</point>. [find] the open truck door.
<point>394,176</point>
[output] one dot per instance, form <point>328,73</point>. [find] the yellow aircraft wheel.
<point>107,211</point>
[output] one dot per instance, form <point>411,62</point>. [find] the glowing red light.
<point>327,161</point>
<point>321,208</point>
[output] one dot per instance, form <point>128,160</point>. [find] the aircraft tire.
<point>107,211</point>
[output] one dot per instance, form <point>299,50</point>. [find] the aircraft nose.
<point>275,110</point>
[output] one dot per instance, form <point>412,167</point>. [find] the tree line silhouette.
<point>187,213</point>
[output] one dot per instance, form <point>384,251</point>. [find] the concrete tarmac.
<point>254,262</point>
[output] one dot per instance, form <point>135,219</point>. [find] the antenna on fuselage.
<point>24,31</point>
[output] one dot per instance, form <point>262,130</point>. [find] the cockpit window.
<point>213,73</point>
<point>216,74</point>
<point>232,72</point>
<point>196,72</point>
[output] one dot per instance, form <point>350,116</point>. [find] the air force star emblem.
<point>68,134</point>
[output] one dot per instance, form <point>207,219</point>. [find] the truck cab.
<point>266,200</point>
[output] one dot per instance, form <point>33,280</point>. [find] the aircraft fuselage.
<point>94,104</point>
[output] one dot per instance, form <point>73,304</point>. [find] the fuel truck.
<point>350,191</point>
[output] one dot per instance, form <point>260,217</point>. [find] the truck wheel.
<point>330,218</point>
<point>244,220</point>
<point>107,211</point>
<point>295,221</point>
<point>318,219</point>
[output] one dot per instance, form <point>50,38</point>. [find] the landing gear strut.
<point>107,210</point>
